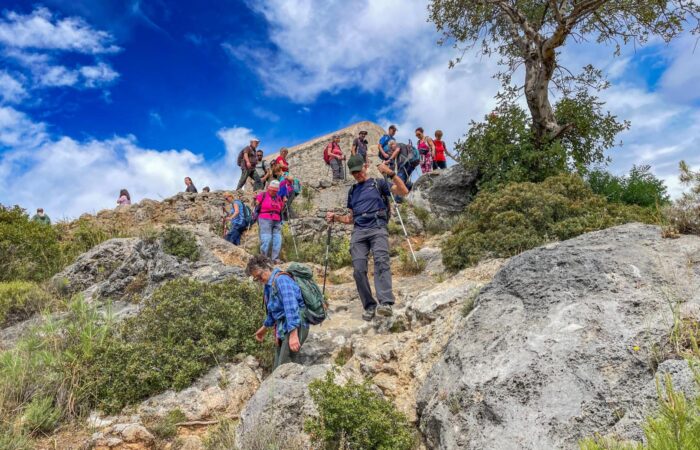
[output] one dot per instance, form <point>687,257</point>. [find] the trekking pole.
<point>398,213</point>
<point>291,230</point>
<point>325,264</point>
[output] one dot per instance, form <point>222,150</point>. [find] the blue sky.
<point>95,96</point>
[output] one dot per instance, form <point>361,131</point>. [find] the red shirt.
<point>439,150</point>
<point>280,160</point>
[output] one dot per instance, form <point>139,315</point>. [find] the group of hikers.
<point>292,299</point>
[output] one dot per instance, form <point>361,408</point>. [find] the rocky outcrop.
<point>444,192</point>
<point>561,342</point>
<point>129,267</point>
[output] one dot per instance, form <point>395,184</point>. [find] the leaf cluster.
<point>640,187</point>
<point>181,243</point>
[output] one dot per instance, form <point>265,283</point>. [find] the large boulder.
<point>562,343</point>
<point>444,192</point>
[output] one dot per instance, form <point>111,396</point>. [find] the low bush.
<point>357,417</point>
<point>181,243</point>
<point>521,216</point>
<point>166,427</point>
<point>640,187</point>
<point>40,415</point>
<point>19,300</point>
<point>408,266</point>
<point>182,330</point>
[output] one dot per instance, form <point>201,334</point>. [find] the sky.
<point>96,96</point>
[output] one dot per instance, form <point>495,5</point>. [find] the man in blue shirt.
<point>384,141</point>
<point>284,305</point>
<point>368,201</point>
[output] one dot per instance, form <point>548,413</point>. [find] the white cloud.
<point>265,114</point>
<point>681,80</point>
<point>98,75</point>
<point>69,177</point>
<point>11,89</point>
<point>235,139</point>
<point>42,30</point>
<point>57,76</point>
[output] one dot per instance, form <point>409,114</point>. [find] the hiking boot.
<point>384,310</point>
<point>368,315</point>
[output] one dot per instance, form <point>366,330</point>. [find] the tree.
<point>530,33</point>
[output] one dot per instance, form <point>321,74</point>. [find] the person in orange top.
<point>282,159</point>
<point>440,161</point>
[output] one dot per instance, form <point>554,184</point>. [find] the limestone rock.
<point>548,356</point>
<point>444,192</point>
<point>280,405</point>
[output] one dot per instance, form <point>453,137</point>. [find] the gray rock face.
<point>280,405</point>
<point>559,343</point>
<point>120,268</point>
<point>444,192</point>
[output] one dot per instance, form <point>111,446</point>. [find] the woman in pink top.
<point>124,198</point>
<point>269,206</point>
<point>426,148</point>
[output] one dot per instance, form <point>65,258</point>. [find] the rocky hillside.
<point>536,352</point>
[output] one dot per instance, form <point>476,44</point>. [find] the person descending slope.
<point>190,185</point>
<point>282,159</point>
<point>368,201</point>
<point>262,170</point>
<point>247,160</point>
<point>268,208</point>
<point>441,152</point>
<point>384,145</point>
<point>333,156</point>
<point>359,145</point>
<point>426,148</point>
<point>239,217</point>
<point>284,307</point>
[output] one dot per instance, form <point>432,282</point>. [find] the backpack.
<point>410,154</point>
<point>245,217</point>
<point>297,186</point>
<point>316,305</point>
<point>327,154</point>
<point>385,198</point>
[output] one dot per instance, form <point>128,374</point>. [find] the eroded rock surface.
<point>559,343</point>
<point>444,192</point>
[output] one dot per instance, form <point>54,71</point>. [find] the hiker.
<point>440,152</point>
<point>284,306</point>
<point>334,157</point>
<point>401,155</point>
<point>359,145</point>
<point>368,201</point>
<point>282,159</point>
<point>384,150</point>
<point>426,148</point>
<point>262,170</point>
<point>190,185</point>
<point>247,160</point>
<point>269,206</point>
<point>236,216</point>
<point>40,217</point>
<point>206,189</point>
<point>124,198</point>
<point>289,188</point>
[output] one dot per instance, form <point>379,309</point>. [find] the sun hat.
<point>356,163</point>
<point>274,185</point>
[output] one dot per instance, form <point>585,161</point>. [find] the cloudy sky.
<point>96,96</point>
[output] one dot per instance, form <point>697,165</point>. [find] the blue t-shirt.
<point>384,143</point>
<point>368,207</point>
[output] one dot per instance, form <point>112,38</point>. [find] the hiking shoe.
<point>384,310</point>
<point>368,315</point>
<point>277,262</point>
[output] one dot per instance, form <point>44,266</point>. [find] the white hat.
<point>274,184</point>
<point>255,140</point>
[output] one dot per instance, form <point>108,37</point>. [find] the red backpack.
<point>327,153</point>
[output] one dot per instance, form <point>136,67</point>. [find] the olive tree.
<point>530,33</point>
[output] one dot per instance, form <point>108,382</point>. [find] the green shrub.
<point>356,415</point>
<point>30,251</point>
<point>223,437</point>
<point>181,243</point>
<point>41,415</point>
<point>11,439</point>
<point>183,329</point>
<point>19,300</point>
<point>640,187</point>
<point>521,216</point>
<point>408,266</point>
<point>166,427</point>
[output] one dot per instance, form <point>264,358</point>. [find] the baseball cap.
<point>356,163</point>
<point>274,185</point>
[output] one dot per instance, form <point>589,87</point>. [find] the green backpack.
<point>315,312</point>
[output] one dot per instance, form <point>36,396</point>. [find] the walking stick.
<point>325,264</point>
<point>291,230</point>
<point>398,213</point>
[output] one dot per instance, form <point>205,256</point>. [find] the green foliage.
<point>431,223</point>
<point>470,302</point>
<point>521,216</point>
<point>684,213</point>
<point>41,415</point>
<point>641,187</point>
<point>358,416</point>
<point>30,251</point>
<point>19,300</point>
<point>11,439</point>
<point>182,330</point>
<point>503,147</point>
<point>166,427</point>
<point>315,251</point>
<point>181,243</point>
<point>408,266</point>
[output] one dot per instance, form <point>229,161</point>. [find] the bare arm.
<point>431,146</point>
<point>398,187</point>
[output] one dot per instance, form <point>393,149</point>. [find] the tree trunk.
<point>538,74</point>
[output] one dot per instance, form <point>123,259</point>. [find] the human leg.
<point>379,243</point>
<point>234,235</point>
<point>265,226</point>
<point>441,164</point>
<point>335,167</point>
<point>283,354</point>
<point>276,232</point>
<point>359,251</point>
<point>245,173</point>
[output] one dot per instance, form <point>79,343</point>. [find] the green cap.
<point>356,163</point>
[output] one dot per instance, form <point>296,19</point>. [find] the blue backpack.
<point>244,217</point>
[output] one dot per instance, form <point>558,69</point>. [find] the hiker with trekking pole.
<point>368,202</point>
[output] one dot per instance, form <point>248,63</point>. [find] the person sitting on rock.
<point>269,205</point>
<point>235,216</point>
<point>124,198</point>
<point>247,160</point>
<point>359,145</point>
<point>40,217</point>
<point>190,185</point>
<point>282,159</point>
<point>284,305</point>
<point>368,202</point>
<point>336,157</point>
<point>262,170</point>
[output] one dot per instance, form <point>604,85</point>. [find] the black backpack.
<point>241,159</point>
<point>385,198</point>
